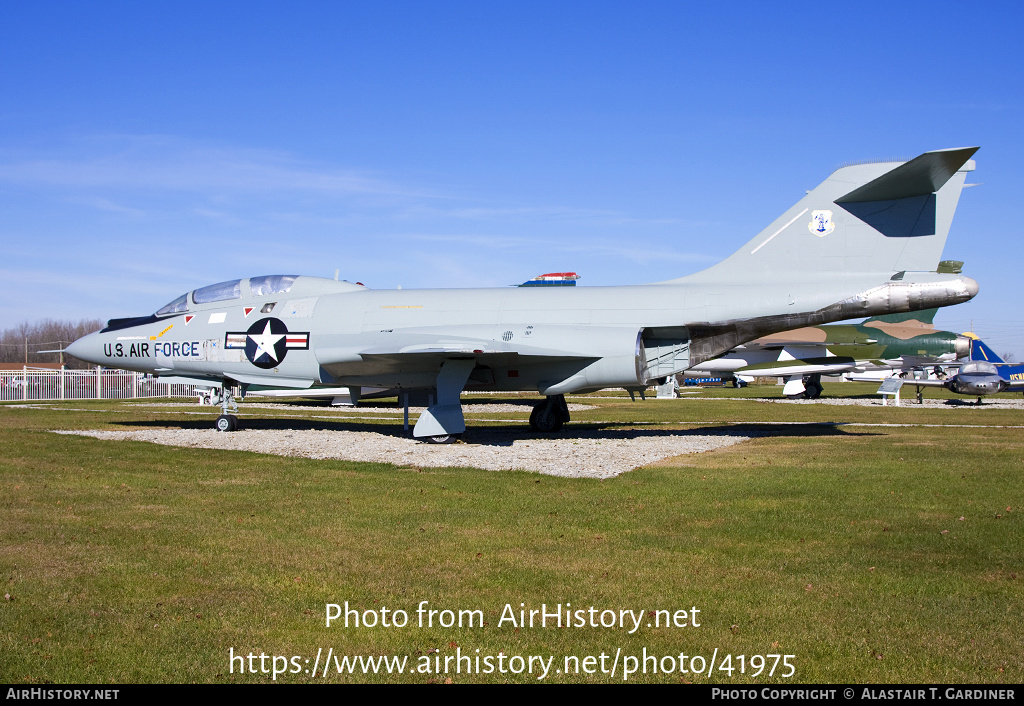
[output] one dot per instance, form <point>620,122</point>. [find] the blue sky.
<point>147,149</point>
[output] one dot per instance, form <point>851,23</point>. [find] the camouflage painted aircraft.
<point>866,241</point>
<point>898,342</point>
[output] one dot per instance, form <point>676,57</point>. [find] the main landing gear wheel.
<point>226,422</point>
<point>811,393</point>
<point>813,388</point>
<point>442,439</point>
<point>549,416</point>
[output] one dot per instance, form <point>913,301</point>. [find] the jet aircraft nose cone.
<point>74,348</point>
<point>87,348</point>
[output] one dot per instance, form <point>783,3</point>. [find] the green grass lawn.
<point>870,553</point>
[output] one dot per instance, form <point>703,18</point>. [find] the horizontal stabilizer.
<point>919,177</point>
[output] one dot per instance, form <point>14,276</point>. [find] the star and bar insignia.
<point>267,342</point>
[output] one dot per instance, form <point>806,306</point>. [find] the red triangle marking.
<point>189,317</point>
<point>248,310</point>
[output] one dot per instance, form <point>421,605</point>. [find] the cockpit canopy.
<point>978,367</point>
<point>270,284</point>
<point>232,289</point>
<point>179,304</point>
<point>220,292</point>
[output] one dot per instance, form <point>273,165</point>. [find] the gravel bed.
<point>584,454</point>
<point>506,407</point>
<point>908,401</point>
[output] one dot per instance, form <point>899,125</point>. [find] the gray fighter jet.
<point>867,241</point>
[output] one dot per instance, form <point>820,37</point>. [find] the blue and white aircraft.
<point>985,374</point>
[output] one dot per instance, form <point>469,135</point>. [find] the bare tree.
<point>22,343</point>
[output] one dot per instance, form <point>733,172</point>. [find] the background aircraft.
<point>985,374</point>
<point>552,279</point>
<point>890,342</point>
<point>866,241</point>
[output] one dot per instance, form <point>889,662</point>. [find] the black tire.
<point>226,422</point>
<point>442,439</point>
<point>545,419</point>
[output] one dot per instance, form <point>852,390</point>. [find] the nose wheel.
<point>227,421</point>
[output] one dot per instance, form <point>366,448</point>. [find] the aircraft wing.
<point>793,339</point>
<point>906,381</point>
<point>486,349</point>
<point>430,355</point>
<point>413,361</point>
<point>909,362</point>
<point>828,366</point>
<point>427,346</point>
<point>398,363</point>
<point>924,383</point>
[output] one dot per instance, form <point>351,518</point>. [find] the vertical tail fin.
<point>883,217</point>
<point>980,351</point>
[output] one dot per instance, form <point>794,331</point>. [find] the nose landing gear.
<point>227,421</point>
